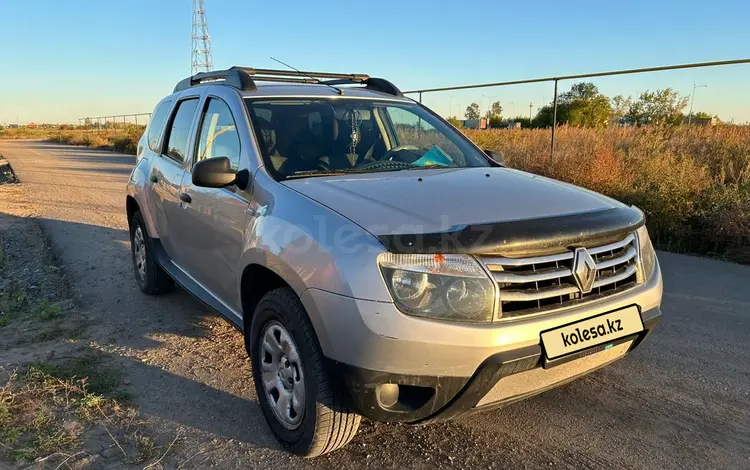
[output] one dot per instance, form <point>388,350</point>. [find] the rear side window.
<point>156,124</point>
<point>218,134</point>
<point>179,131</point>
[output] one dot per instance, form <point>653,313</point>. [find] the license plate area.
<point>591,335</point>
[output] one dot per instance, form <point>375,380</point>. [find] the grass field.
<point>692,182</point>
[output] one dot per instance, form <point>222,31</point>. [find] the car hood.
<point>444,201</point>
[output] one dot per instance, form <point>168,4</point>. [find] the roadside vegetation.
<point>692,182</point>
<point>120,140</point>
<point>62,400</point>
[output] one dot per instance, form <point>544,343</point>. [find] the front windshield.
<point>309,137</point>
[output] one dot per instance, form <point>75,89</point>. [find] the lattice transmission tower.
<point>201,60</point>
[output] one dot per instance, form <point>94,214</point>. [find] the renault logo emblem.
<point>584,270</point>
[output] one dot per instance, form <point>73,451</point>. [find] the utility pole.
<point>201,60</point>
<point>692,99</point>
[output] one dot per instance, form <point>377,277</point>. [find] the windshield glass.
<point>309,137</point>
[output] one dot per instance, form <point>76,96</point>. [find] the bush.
<point>123,140</point>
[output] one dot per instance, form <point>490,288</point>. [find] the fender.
<point>136,189</point>
<point>309,245</point>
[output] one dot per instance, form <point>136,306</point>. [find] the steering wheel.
<point>391,153</point>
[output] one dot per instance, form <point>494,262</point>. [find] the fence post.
<point>554,125</point>
<point>420,96</point>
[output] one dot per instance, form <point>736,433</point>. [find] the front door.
<point>211,225</point>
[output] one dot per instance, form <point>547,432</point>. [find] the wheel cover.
<point>282,375</point>
<point>139,253</point>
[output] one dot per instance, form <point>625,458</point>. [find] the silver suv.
<point>378,263</point>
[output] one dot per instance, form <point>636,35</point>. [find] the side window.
<point>156,124</point>
<point>179,131</point>
<point>218,134</point>
<point>412,130</point>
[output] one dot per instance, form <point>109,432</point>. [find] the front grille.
<point>542,283</point>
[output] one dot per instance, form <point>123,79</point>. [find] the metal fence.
<point>555,80</point>
<point>116,121</point>
<point>108,122</point>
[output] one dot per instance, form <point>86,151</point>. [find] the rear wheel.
<point>304,406</point>
<point>149,275</point>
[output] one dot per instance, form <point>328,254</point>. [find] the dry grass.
<point>48,409</point>
<point>120,140</point>
<point>693,183</point>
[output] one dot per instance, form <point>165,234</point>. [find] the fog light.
<point>387,395</point>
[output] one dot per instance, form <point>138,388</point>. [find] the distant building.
<point>712,121</point>
<point>470,123</point>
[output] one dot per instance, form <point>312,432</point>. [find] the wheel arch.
<point>131,207</point>
<point>257,280</point>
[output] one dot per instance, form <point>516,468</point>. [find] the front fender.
<point>309,245</point>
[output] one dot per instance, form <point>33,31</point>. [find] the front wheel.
<point>304,406</point>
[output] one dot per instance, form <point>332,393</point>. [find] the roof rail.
<point>244,78</point>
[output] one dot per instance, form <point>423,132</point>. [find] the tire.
<point>150,277</point>
<point>324,421</point>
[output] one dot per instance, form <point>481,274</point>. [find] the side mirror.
<point>495,156</point>
<point>214,172</point>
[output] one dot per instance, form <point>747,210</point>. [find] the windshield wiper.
<point>307,173</point>
<point>430,167</point>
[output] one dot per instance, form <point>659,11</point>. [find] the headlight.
<point>443,287</point>
<point>646,253</point>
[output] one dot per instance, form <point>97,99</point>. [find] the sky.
<point>63,60</point>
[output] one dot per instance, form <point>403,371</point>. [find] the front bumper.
<point>500,379</point>
<point>445,369</point>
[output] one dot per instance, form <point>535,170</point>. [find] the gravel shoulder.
<point>680,401</point>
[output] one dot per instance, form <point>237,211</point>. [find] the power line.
<point>201,60</point>
<point>585,75</point>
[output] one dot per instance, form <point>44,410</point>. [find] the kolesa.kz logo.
<point>594,332</point>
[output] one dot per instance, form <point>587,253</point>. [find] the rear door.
<point>168,170</point>
<point>212,225</point>
<point>152,145</point>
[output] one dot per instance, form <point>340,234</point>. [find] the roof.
<point>286,90</point>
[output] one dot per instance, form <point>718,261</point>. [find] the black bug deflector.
<point>522,237</point>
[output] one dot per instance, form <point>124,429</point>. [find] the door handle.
<point>185,197</point>
<point>153,178</point>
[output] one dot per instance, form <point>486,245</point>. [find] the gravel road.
<point>680,401</point>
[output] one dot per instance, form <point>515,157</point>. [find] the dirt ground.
<point>680,401</point>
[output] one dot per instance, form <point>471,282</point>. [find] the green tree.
<point>472,111</point>
<point>702,115</point>
<point>660,107</point>
<point>496,121</point>
<point>496,110</point>
<point>621,105</point>
<point>582,106</point>
<point>455,122</point>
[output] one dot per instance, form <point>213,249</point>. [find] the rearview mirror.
<point>214,172</point>
<point>495,156</point>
